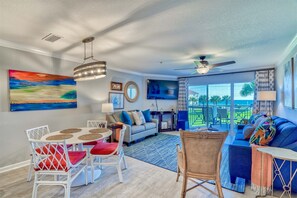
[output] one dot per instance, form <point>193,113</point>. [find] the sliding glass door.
<point>198,101</point>
<point>219,105</point>
<point>243,100</point>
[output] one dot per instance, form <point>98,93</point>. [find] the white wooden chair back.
<point>97,123</point>
<point>50,155</point>
<point>37,132</point>
<point>121,139</point>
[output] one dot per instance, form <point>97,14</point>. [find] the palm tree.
<point>215,100</point>
<point>193,99</point>
<point>247,89</point>
<point>226,98</point>
<point>203,99</point>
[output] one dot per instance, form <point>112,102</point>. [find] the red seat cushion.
<point>58,161</point>
<point>93,143</point>
<point>50,149</point>
<point>104,148</point>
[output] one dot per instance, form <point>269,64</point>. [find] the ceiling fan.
<point>203,67</point>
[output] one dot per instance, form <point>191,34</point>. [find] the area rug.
<point>160,150</point>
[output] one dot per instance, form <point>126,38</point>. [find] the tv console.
<point>166,120</point>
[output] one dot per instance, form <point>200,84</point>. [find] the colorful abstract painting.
<point>39,91</point>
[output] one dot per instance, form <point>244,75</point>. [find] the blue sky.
<point>221,90</point>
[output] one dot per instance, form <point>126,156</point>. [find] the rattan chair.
<point>200,158</point>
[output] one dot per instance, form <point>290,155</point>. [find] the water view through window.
<point>210,105</point>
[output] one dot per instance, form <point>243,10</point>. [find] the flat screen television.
<point>162,89</point>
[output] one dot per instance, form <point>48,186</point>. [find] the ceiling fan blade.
<point>222,64</point>
<point>185,68</point>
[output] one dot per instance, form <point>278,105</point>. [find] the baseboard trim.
<point>14,166</point>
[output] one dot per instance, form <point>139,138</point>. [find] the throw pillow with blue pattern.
<point>255,117</point>
<point>264,133</point>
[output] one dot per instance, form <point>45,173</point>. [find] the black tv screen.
<point>162,89</point>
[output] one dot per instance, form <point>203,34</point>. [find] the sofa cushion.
<point>239,136</point>
<point>279,121</point>
<point>137,129</point>
<point>264,133</point>
<point>150,125</point>
<point>287,134</point>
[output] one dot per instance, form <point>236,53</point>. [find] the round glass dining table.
<point>76,137</point>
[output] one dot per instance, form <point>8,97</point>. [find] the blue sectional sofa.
<point>240,153</point>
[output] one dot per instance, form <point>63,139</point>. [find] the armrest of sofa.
<point>127,136</point>
<point>240,161</point>
<point>157,123</point>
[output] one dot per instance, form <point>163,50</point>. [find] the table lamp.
<point>107,108</point>
<point>266,96</point>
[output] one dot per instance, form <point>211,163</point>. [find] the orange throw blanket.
<point>117,133</point>
<point>261,173</point>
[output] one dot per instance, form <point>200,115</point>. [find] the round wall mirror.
<point>131,91</point>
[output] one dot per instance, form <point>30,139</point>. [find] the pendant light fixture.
<point>90,69</point>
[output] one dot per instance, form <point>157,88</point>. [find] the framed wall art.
<point>117,99</point>
<point>294,60</point>
<point>116,86</point>
<point>40,91</point>
<point>288,85</point>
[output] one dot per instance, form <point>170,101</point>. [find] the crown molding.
<point>288,50</point>
<point>34,50</point>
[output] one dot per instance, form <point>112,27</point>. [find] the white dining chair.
<point>113,152</point>
<point>35,134</point>
<point>95,124</point>
<point>52,158</point>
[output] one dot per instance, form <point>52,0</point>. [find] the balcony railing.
<point>198,114</point>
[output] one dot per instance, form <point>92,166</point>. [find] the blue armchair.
<point>182,120</point>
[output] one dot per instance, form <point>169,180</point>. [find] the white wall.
<point>91,94</point>
<point>281,110</point>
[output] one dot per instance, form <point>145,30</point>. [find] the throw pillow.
<point>147,115</point>
<point>259,121</point>
<point>248,131</point>
<point>131,117</point>
<point>138,117</point>
<point>264,133</point>
<point>254,117</point>
<point>126,118</point>
<point>117,116</point>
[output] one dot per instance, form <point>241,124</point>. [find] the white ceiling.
<point>136,35</point>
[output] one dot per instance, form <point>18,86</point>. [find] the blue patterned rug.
<point>161,151</point>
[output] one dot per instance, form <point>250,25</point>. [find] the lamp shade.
<point>107,107</point>
<point>266,95</point>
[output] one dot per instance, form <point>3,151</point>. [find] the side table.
<point>113,127</point>
<point>285,155</point>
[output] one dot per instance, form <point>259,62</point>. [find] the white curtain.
<point>182,94</point>
<point>264,81</point>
